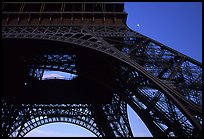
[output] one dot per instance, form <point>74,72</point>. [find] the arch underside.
<point>159,103</point>
<point>26,117</point>
<point>40,117</point>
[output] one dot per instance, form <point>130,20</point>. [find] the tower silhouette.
<point>112,66</point>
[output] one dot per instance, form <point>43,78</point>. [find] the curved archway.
<point>28,127</point>
<point>97,45</point>
<point>60,129</point>
<point>73,36</point>
<point>72,130</point>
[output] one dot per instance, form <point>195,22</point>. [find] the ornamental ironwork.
<point>113,66</point>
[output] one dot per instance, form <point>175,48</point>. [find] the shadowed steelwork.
<point>114,66</point>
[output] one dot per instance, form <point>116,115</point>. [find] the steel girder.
<point>29,117</point>
<point>179,71</point>
<point>172,67</point>
<point>20,119</point>
<point>158,111</point>
<point>54,62</point>
<point>150,97</point>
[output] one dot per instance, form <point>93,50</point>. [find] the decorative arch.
<point>147,103</point>
<point>37,123</point>
<point>33,116</point>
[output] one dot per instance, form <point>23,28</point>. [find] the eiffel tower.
<point>112,66</point>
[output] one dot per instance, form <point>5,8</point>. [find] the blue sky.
<point>175,24</point>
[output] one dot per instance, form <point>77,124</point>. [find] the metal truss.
<point>163,86</point>
<point>179,71</point>
<point>117,117</point>
<point>23,118</point>
<point>54,62</point>
<point>28,117</point>
<point>158,111</point>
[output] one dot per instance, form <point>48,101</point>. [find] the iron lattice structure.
<point>113,65</point>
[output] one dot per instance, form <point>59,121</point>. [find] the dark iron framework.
<point>162,85</point>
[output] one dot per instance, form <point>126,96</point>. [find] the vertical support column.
<point>101,120</point>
